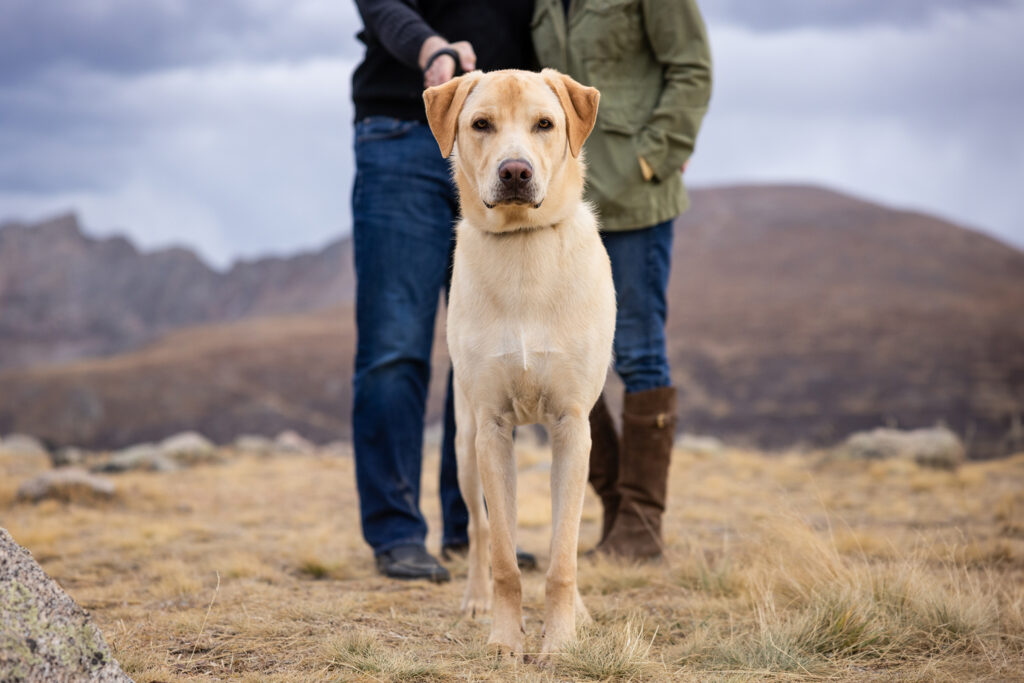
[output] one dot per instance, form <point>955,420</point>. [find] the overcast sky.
<point>226,125</point>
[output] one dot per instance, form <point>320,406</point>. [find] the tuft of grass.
<point>771,647</point>
<point>314,568</point>
<point>815,607</point>
<point>611,652</point>
<point>605,576</point>
<point>708,573</point>
<point>838,626</point>
<point>365,653</point>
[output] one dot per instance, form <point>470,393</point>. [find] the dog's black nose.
<point>515,172</point>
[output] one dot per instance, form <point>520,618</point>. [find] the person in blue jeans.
<point>404,208</point>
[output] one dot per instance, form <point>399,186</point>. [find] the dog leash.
<point>451,53</point>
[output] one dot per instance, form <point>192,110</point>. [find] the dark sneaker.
<point>411,562</point>
<point>454,551</point>
<point>526,561</point>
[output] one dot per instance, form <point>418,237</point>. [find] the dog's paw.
<point>557,636</point>
<point>506,651</point>
<point>507,643</point>
<point>544,661</point>
<point>476,603</point>
<point>552,645</point>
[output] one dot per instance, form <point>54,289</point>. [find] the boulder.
<point>935,447</point>
<point>44,634</point>
<point>22,456</point>
<point>68,455</point>
<point>254,444</point>
<point>189,448</point>
<point>144,456</point>
<point>699,445</point>
<point>291,442</point>
<point>22,444</point>
<point>69,485</point>
<point>338,449</point>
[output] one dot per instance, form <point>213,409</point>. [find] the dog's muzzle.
<point>515,184</point>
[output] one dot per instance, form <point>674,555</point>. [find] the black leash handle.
<point>451,53</point>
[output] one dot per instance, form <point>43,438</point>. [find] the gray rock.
<point>44,635</point>
<point>254,444</point>
<point>69,485</point>
<point>291,442</point>
<point>935,447</point>
<point>189,448</point>
<point>338,449</point>
<point>699,445</point>
<point>68,455</point>
<point>22,457</point>
<point>144,456</point>
<point>22,444</point>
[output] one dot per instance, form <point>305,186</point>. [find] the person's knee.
<point>388,336</point>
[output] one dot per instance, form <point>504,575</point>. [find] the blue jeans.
<point>404,207</point>
<point>640,269</point>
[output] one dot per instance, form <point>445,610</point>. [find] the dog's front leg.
<point>496,461</point>
<point>570,436</point>
<point>477,599</point>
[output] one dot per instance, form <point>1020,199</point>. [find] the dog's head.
<point>517,138</point>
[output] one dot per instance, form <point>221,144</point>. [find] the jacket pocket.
<point>609,29</point>
<point>618,119</point>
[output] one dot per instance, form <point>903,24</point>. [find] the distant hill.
<point>797,315</point>
<point>800,315</point>
<point>65,295</point>
<point>260,375</point>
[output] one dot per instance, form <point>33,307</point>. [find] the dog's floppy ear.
<point>444,103</point>
<point>579,103</point>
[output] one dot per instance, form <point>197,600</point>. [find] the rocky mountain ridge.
<point>65,295</point>
<point>797,316</point>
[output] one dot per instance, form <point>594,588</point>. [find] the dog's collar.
<point>520,231</point>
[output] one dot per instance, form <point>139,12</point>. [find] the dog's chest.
<point>520,348</point>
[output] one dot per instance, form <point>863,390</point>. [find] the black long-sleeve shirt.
<point>389,82</point>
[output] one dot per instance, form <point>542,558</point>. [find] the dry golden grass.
<point>778,568</point>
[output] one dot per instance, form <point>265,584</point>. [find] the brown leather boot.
<point>648,429</point>
<point>604,462</point>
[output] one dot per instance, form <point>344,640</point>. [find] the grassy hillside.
<point>780,568</point>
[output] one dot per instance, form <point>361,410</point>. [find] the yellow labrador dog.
<point>530,321</point>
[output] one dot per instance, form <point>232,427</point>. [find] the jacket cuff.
<point>414,43</point>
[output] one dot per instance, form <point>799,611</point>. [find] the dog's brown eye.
<point>481,124</point>
<point>544,124</point>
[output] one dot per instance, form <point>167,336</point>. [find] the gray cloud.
<point>129,36</point>
<point>839,14</point>
<point>220,125</point>
<point>226,125</point>
<point>926,118</point>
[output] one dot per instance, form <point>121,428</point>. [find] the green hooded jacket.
<point>651,61</point>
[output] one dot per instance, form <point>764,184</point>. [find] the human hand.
<point>443,68</point>
<point>686,165</point>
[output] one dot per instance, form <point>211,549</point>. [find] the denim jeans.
<point>640,269</point>
<point>404,206</point>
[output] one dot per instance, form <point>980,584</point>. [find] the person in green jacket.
<point>651,61</point>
